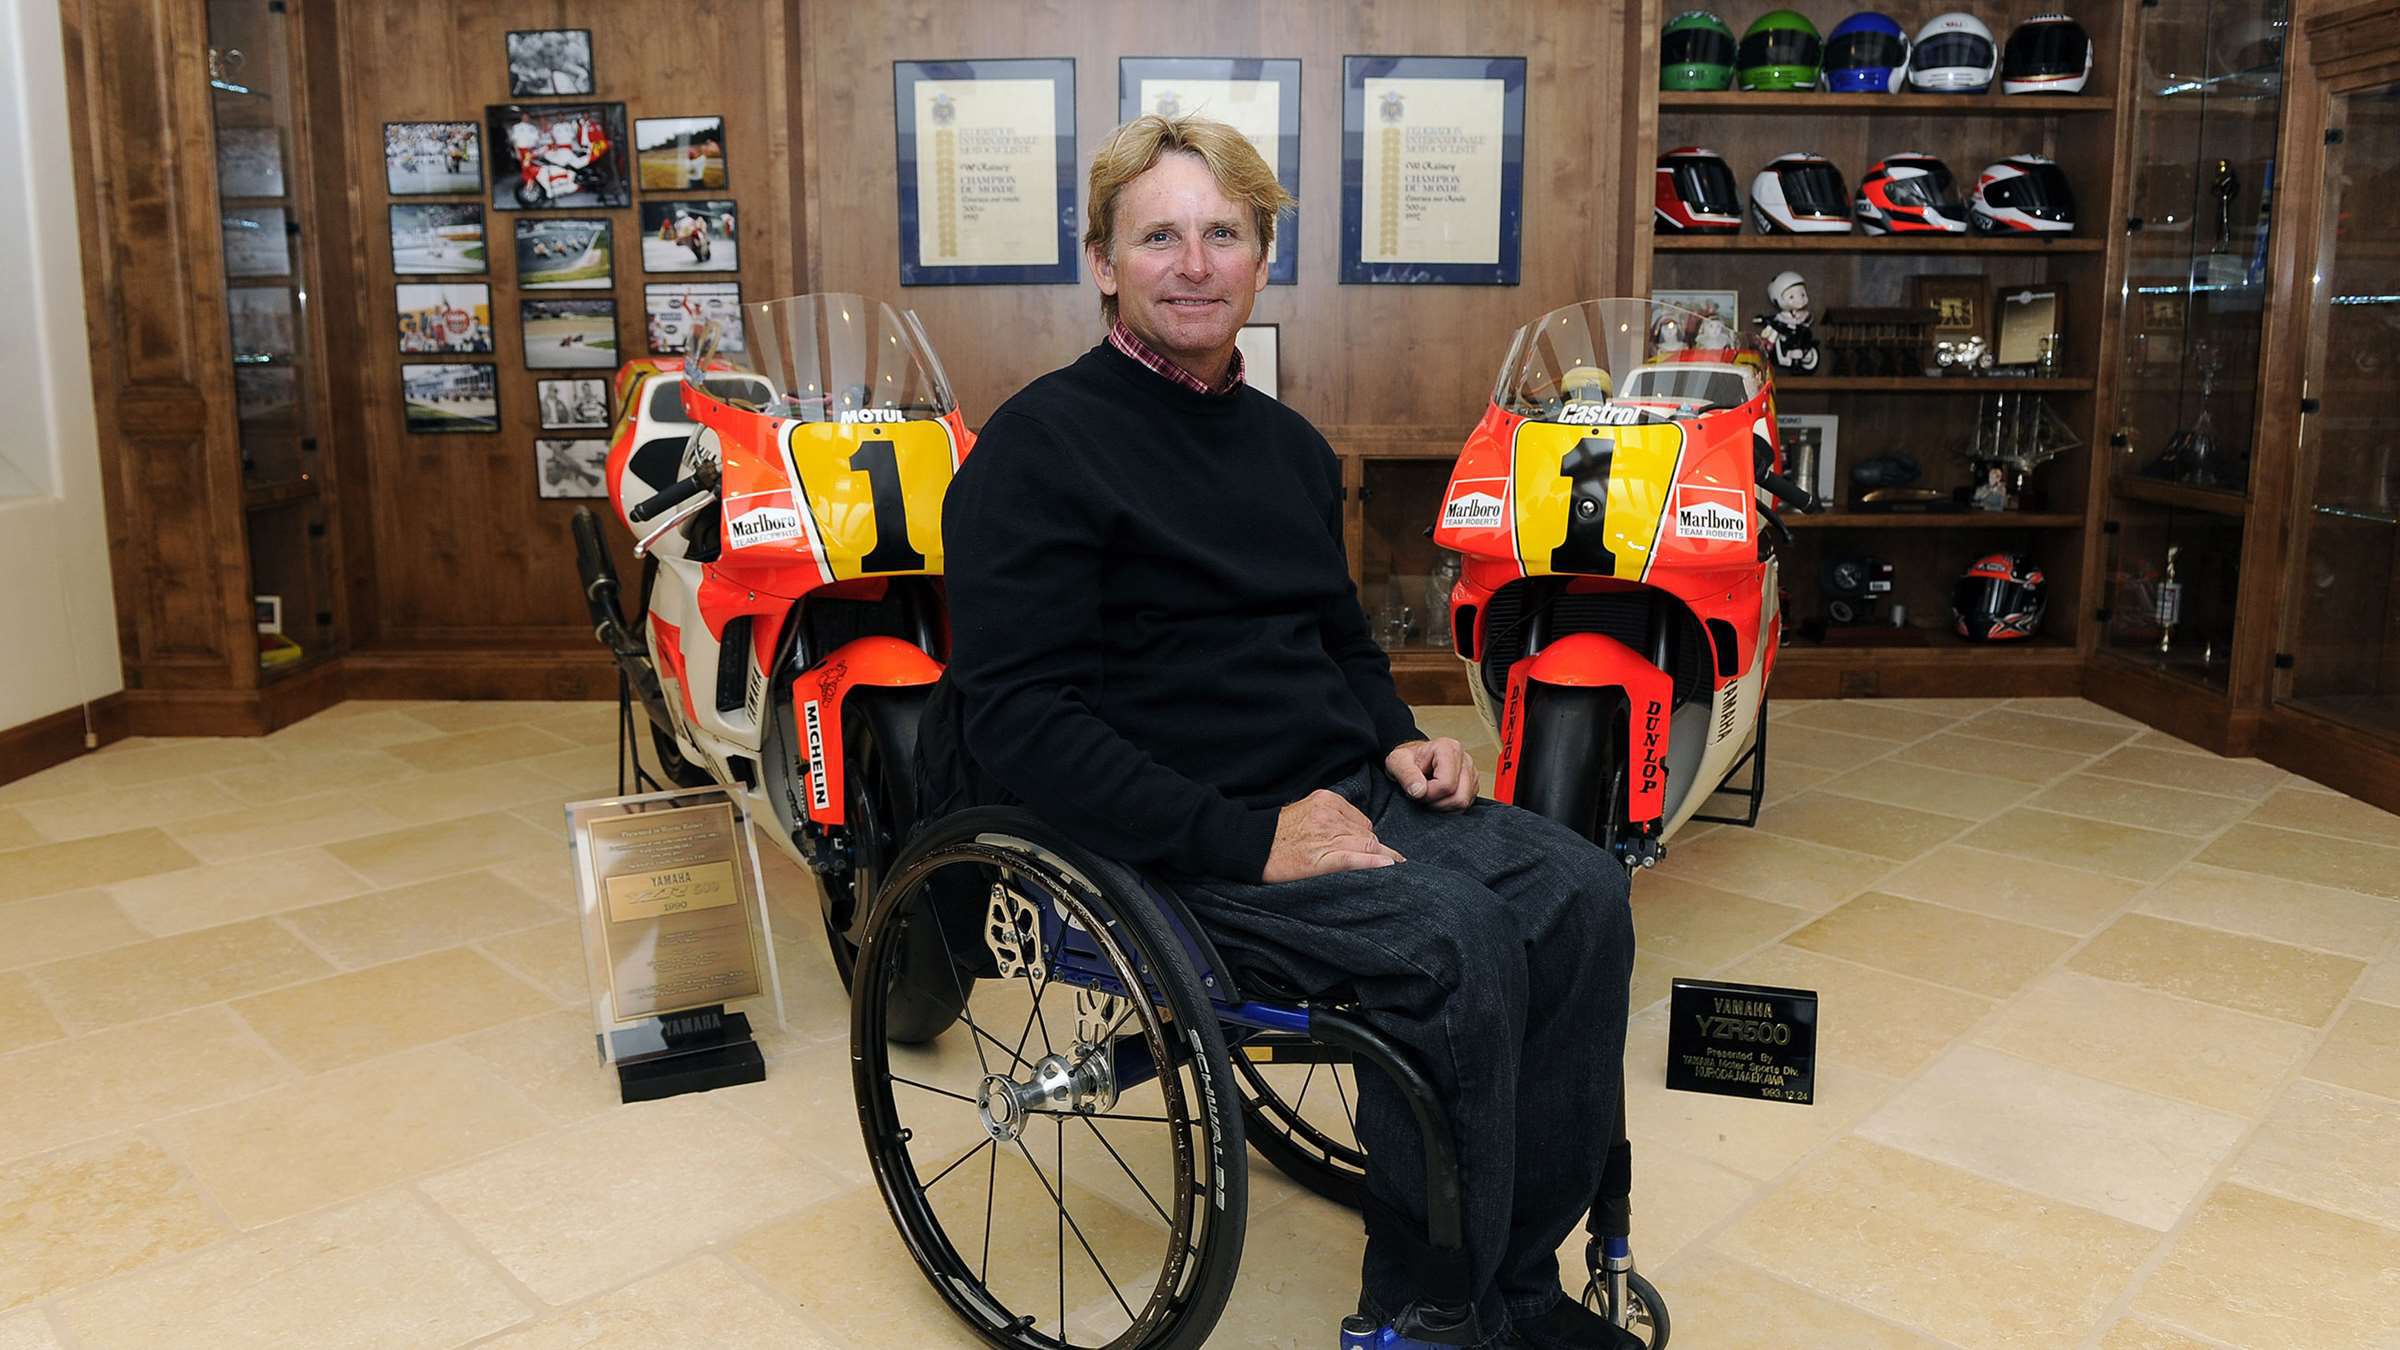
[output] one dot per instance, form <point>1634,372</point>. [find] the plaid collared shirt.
<point>1124,340</point>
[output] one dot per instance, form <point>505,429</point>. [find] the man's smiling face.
<point>1186,264</point>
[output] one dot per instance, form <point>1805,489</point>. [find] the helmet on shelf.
<point>1779,52</point>
<point>1800,193</point>
<point>1695,52</point>
<point>1866,53</point>
<point>1696,193</point>
<point>1910,193</point>
<point>2048,54</point>
<point>1954,54</point>
<point>2022,194</point>
<point>1998,600</point>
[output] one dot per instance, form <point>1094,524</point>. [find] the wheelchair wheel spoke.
<point>1302,1099</point>
<point>1119,1115</point>
<point>1347,1113</point>
<point>1017,1060</point>
<point>1130,1175</point>
<point>966,1012</point>
<point>928,1087</point>
<point>937,1177</point>
<point>1066,1221</point>
<point>991,1187</point>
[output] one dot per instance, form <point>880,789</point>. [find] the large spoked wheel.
<point>879,739</point>
<point>1647,1312</point>
<point>1300,1112</point>
<point>1056,1190</point>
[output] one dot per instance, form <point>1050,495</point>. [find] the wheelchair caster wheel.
<point>1646,1312</point>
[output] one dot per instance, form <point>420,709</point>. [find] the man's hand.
<point>1321,833</point>
<point>1440,773</point>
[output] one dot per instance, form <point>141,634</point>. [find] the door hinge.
<point>2119,441</point>
<point>2133,224</point>
<point>2308,405</point>
<point>2283,660</point>
<point>2333,135</point>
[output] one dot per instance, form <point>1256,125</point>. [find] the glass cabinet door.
<point>2342,623</point>
<point>249,62</point>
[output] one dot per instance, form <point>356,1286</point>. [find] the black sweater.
<point>1155,641</point>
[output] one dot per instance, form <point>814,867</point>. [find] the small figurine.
<point>1993,495</point>
<point>1786,335</point>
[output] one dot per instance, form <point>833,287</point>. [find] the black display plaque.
<point>1742,1040</point>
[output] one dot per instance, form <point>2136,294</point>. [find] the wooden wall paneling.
<point>336,252</point>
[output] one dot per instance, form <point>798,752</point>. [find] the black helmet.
<point>1998,600</point>
<point>2048,54</point>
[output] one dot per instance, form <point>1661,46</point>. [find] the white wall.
<point>58,645</point>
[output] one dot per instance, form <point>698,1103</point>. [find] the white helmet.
<point>1784,281</point>
<point>2022,194</point>
<point>1800,193</point>
<point>1954,54</point>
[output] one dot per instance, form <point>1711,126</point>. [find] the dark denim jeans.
<point>1499,957</point>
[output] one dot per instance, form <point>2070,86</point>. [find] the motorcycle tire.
<point>879,790</point>
<point>671,762</point>
<point>528,195</point>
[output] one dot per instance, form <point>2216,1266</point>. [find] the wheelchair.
<point>1067,1162</point>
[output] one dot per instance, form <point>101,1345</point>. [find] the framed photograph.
<point>257,242</point>
<point>438,238</point>
<point>1261,346</point>
<point>2032,325</point>
<point>569,334</point>
<point>1811,446</point>
<point>444,398</point>
<point>1433,169</point>
<point>689,236</point>
<point>267,612</point>
<point>573,405</point>
<point>1958,304</point>
<point>571,468</point>
<point>1258,97</point>
<point>265,393</point>
<point>450,318</point>
<point>558,156</point>
<point>547,61</point>
<point>1712,321</point>
<point>566,253</point>
<point>677,309</point>
<point>423,159</point>
<point>986,172</point>
<point>261,323</point>
<point>249,162</point>
<point>677,154</point>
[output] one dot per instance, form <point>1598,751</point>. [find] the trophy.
<point>2170,603</point>
<point>2224,187</point>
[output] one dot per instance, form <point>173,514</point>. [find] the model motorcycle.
<point>1617,608</point>
<point>787,512</point>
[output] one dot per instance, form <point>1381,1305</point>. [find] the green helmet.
<point>1780,52</point>
<point>1695,52</point>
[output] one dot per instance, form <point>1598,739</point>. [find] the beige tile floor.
<point>293,1053</point>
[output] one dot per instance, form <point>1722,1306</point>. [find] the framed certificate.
<point>987,171</point>
<point>1433,169</point>
<point>1256,96</point>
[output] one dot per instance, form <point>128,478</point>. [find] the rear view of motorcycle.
<point>784,487</point>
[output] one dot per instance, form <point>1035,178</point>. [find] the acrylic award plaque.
<point>675,931</point>
<point>1742,1040</point>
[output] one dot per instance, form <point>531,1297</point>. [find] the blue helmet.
<point>1866,53</point>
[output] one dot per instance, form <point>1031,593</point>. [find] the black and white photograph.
<point>1812,444</point>
<point>545,61</point>
<point>257,242</point>
<point>446,397</point>
<point>430,159</point>
<point>438,239</point>
<point>573,405</point>
<point>677,309</point>
<point>695,236</point>
<point>677,154</point>
<point>565,253</point>
<point>265,393</point>
<point>260,317</point>
<point>249,162</point>
<point>571,468</point>
<point>570,334</point>
<point>451,318</point>
<point>558,156</point>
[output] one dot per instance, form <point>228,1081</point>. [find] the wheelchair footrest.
<point>1358,1333</point>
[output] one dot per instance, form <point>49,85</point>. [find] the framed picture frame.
<point>432,159</point>
<point>571,404</point>
<point>565,253</point>
<point>432,239</point>
<point>558,156</point>
<point>546,62</point>
<point>677,308</point>
<point>249,162</point>
<point>569,334</point>
<point>267,612</point>
<point>1439,195</point>
<point>1257,96</point>
<point>441,398</point>
<point>257,242</point>
<point>1812,452</point>
<point>262,322</point>
<point>2029,325</point>
<point>986,172</point>
<point>680,154</point>
<point>1713,320</point>
<point>445,318</point>
<point>570,466</point>
<point>1261,346</point>
<point>689,235</point>
<point>1960,305</point>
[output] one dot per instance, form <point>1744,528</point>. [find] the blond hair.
<point>1134,148</point>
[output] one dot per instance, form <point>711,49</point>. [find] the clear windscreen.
<point>1948,51</point>
<point>825,358</point>
<point>1866,51</point>
<point>1619,361</point>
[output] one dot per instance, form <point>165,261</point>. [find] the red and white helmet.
<point>1800,193</point>
<point>1696,193</point>
<point>1999,599</point>
<point>1909,193</point>
<point>2023,194</point>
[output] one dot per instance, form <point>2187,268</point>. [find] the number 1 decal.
<point>881,462</point>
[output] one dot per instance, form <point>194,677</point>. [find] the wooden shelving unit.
<point>1897,105</point>
<point>1914,245</point>
<point>1937,520</point>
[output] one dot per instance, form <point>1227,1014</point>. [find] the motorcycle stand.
<point>1756,791</point>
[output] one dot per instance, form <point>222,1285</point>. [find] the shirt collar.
<point>1125,340</point>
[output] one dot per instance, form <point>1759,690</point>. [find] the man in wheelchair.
<point>1157,647</point>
